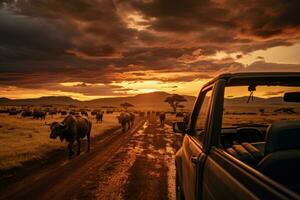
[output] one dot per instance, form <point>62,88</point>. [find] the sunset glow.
<point>97,49</point>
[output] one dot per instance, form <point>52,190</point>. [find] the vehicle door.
<point>225,177</point>
<point>194,144</point>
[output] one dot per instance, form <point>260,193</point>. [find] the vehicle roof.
<point>254,75</point>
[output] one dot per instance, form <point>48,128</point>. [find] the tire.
<point>179,192</point>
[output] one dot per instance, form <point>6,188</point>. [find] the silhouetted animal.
<point>52,112</point>
<point>12,112</point>
<point>72,112</point>
<point>99,117</point>
<point>72,128</point>
<point>162,117</point>
<point>4,111</point>
<point>26,113</point>
<point>84,113</point>
<point>94,112</point>
<point>124,119</point>
<point>63,112</point>
<point>38,114</point>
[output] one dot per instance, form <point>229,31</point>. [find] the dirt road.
<point>138,164</point>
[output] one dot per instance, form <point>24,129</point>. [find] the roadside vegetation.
<point>23,139</point>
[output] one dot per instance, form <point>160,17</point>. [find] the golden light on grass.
<point>24,139</point>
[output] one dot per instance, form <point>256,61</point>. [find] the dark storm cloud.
<point>255,17</point>
<point>45,42</point>
<point>34,39</point>
<point>265,66</point>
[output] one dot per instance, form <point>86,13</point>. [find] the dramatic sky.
<point>101,48</point>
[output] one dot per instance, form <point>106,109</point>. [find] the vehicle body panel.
<point>217,175</point>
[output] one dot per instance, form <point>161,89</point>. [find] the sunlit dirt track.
<point>138,164</point>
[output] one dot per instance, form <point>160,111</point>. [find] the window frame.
<point>195,113</point>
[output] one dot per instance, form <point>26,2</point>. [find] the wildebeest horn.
<point>62,124</point>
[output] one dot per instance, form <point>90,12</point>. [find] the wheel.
<point>179,192</point>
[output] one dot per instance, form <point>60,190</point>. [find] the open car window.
<point>261,108</point>
<point>261,128</point>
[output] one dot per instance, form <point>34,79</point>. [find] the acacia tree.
<point>126,105</point>
<point>174,101</point>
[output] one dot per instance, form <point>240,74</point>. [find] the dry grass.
<point>24,139</point>
<point>249,113</point>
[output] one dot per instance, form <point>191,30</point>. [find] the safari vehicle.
<point>243,139</point>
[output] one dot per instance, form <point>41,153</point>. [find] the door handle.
<point>194,159</point>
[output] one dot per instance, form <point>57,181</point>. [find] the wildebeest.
<point>162,117</point>
<point>4,111</point>
<point>63,112</point>
<point>39,114</point>
<point>99,117</point>
<point>72,128</point>
<point>12,112</point>
<point>84,113</point>
<point>73,112</point>
<point>52,112</point>
<point>94,112</point>
<point>124,120</point>
<point>26,113</point>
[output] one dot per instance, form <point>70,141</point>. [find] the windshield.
<point>261,108</point>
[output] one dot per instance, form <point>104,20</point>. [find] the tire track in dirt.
<point>144,168</point>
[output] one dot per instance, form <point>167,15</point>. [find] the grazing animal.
<point>84,113</point>
<point>162,117</point>
<point>73,112</point>
<point>37,114</point>
<point>94,112</point>
<point>12,112</point>
<point>124,120</point>
<point>26,113</point>
<point>99,117</point>
<point>70,129</point>
<point>52,112</point>
<point>63,112</point>
<point>4,111</point>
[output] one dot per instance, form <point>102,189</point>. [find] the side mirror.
<point>291,97</point>
<point>179,127</point>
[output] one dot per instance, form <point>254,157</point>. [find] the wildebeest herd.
<point>77,124</point>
